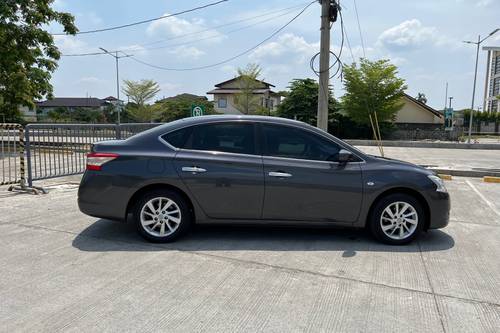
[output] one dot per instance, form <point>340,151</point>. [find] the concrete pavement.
<point>451,158</point>
<point>62,270</point>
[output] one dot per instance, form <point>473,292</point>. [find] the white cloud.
<point>90,79</point>
<point>167,86</point>
<point>410,34</point>
<point>287,46</point>
<point>478,3</point>
<point>175,27</point>
<point>189,52</point>
<point>69,44</point>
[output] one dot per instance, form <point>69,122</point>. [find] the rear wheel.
<point>397,219</point>
<point>162,216</point>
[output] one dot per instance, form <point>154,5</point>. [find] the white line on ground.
<point>493,208</point>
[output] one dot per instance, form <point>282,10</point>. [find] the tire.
<point>162,226</point>
<point>400,228</point>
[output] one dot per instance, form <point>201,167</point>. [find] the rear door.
<point>303,179</point>
<point>220,165</point>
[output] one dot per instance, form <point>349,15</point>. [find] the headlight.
<point>439,183</point>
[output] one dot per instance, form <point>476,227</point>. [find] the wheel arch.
<point>159,186</point>
<point>403,190</point>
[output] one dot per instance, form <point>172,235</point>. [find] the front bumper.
<point>439,209</point>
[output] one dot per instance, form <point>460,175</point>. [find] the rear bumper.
<point>439,206</point>
<point>98,197</point>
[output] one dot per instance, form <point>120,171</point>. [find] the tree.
<point>246,101</point>
<point>59,114</point>
<point>28,54</point>
<point>178,107</point>
<point>421,98</point>
<point>140,93</point>
<point>373,87</point>
<point>301,102</point>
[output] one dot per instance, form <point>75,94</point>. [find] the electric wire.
<point>140,47</point>
<point>143,21</point>
<point>359,28</point>
<point>276,32</point>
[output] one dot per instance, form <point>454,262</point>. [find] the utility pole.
<point>445,95</point>
<point>117,58</point>
<point>450,98</point>
<point>329,11</point>
<point>478,43</point>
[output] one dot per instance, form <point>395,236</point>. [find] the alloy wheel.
<point>399,220</point>
<point>160,216</point>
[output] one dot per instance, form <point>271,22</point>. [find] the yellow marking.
<point>445,177</point>
<point>491,179</point>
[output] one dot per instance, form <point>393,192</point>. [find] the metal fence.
<point>54,150</point>
<point>11,154</point>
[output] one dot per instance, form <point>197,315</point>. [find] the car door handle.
<point>280,174</point>
<point>193,169</point>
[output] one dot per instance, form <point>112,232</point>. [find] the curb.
<point>490,179</point>
<point>424,144</point>
<point>466,173</point>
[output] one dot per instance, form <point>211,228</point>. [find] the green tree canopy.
<point>301,102</point>
<point>372,87</point>
<point>248,80</point>
<point>140,93</point>
<point>28,54</point>
<point>173,108</point>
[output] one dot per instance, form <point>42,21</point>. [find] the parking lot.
<point>62,270</point>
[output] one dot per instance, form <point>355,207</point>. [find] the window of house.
<point>222,102</point>
<point>285,141</point>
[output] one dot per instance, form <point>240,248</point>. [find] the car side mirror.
<point>344,156</point>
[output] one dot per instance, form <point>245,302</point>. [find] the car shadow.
<point>105,235</point>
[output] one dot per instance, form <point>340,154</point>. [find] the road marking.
<point>493,208</point>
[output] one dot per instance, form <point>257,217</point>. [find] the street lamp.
<point>478,43</point>
<point>117,57</point>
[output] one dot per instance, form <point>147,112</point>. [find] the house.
<point>73,103</point>
<point>416,112</point>
<point>225,92</point>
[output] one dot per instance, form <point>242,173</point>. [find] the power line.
<point>225,24</point>
<point>359,28</point>
<point>144,21</point>
<point>138,47</point>
<point>231,58</point>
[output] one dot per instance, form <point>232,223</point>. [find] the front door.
<point>303,179</point>
<point>220,167</point>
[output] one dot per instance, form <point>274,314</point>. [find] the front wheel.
<point>397,219</point>
<point>162,216</point>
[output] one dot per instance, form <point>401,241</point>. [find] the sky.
<point>423,38</point>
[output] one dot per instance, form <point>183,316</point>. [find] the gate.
<point>55,150</point>
<point>11,154</point>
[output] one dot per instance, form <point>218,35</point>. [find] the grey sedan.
<point>252,169</point>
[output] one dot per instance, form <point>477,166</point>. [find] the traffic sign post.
<point>448,119</point>
<point>197,110</point>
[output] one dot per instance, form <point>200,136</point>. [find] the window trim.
<point>258,142</point>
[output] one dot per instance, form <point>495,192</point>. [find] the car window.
<point>178,138</point>
<point>285,141</point>
<point>224,137</point>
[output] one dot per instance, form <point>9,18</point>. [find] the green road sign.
<point>448,119</point>
<point>197,110</point>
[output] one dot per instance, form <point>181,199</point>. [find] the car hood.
<point>403,164</point>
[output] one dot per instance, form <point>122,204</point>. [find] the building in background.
<point>225,92</point>
<point>416,112</point>
<point>492,83</point>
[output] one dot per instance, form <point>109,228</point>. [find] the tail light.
<point>96,160</point>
